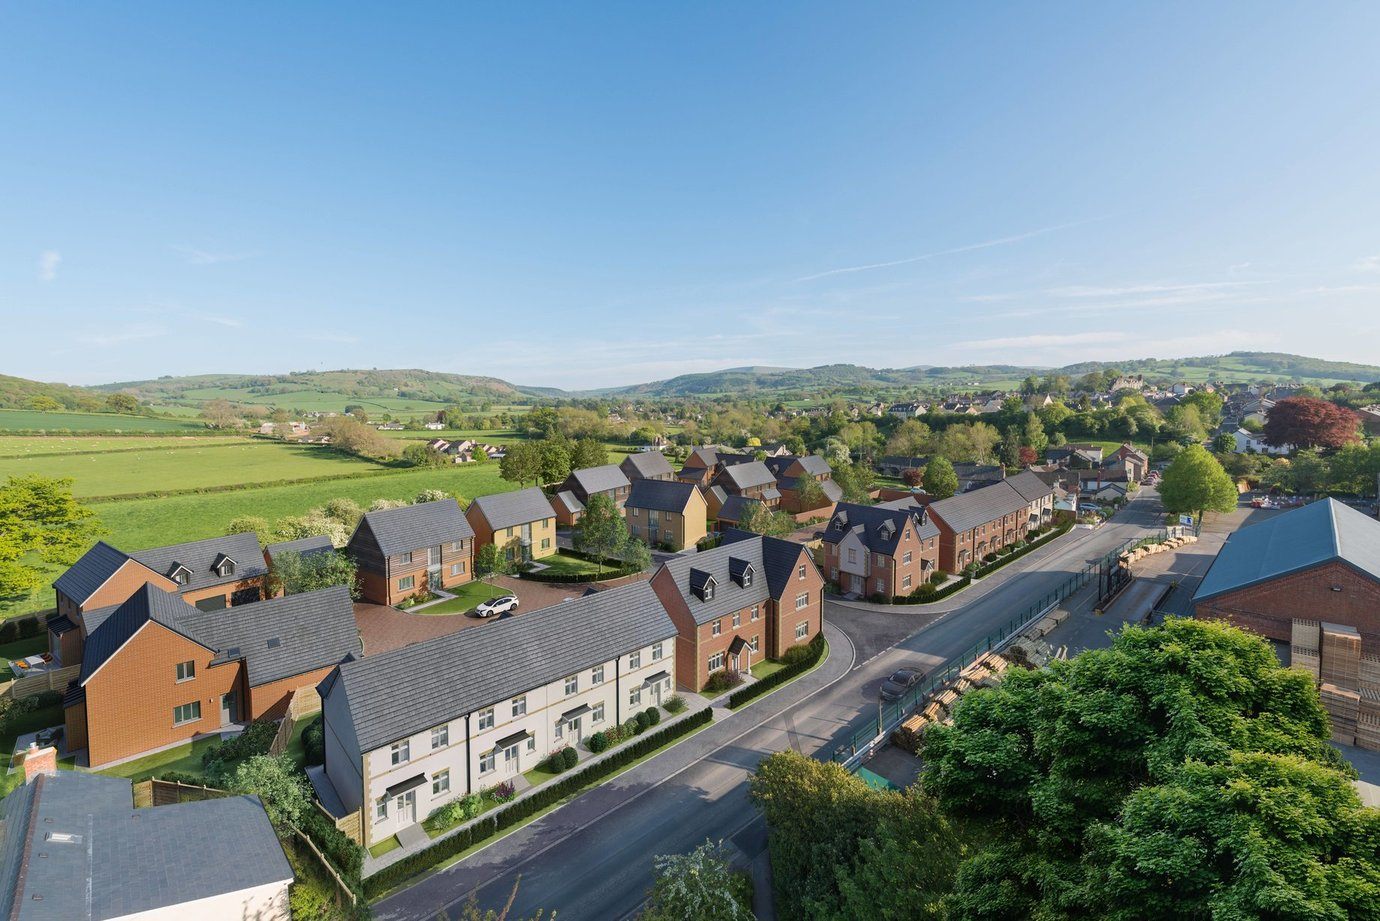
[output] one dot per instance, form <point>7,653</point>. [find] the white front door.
<point>576,732</point>
<point>405,807</point>
<point>510,761</point>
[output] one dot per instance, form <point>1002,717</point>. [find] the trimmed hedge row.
<point>547,795</point>
<point>21,628</point>
<point>568,579</point>
<point>920,596</point>
<point>780,676</point>
<point>1022,551</point>
<point>237,487</point>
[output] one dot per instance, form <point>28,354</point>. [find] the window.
<point>635,659</point>
<point>440,736</point>
<point>486,762</point>
<point>716,661</point>
<point>531,743</point>
<point>737,621</point>
<point>182,577</point>
<point>457,545</point>
<point>597,715</point>
<point>400,752</point>
<point>800,573</point>
<point>754,643</point>
<point>880,562</point>
<point>802,600</point>
<point>905,582</point>
<point>186,671</point>
<point>457,569</point>
<point>635,696</point>
<point>546,543</point>
<point>572,685</point>
<point>440,782</point>
<point>637,513</point>
<point>406,583</point>
<point>802,629</point>
<point>656,652</point>
<point>756,612</point>
<point>852,554</point>
<point>519,706</point>
<point>486,719</point>
<point>905,560</point>
<point>560,729</point>
<point>433,556</point>
<point>596,676</point>
<point>407,557</point>
<point>381,810</point>
<point>881,585</point>
<point>187,713</point>
<point>227,567</point>
<point>716,628</point>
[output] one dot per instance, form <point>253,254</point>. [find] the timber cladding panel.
<point>131,698</point>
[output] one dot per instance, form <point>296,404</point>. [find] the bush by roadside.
<point>798,659</point>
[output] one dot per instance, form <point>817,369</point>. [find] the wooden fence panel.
<point>54,680</point>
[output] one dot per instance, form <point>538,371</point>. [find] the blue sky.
<point>585,195</point>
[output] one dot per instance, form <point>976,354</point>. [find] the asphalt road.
<point>592,859</point>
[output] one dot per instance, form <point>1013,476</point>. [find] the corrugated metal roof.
<point>412,527</point>
<point>397,693</point>
<point>1295,540</point>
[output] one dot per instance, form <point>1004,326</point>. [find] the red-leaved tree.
<point>912,477</point>
<point>1028,455</point>
<point>1309,423</point>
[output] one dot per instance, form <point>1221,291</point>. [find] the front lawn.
<point>467,596</point>
<point>766,667</point>
<point>562,563</point>
<point>390,843</point>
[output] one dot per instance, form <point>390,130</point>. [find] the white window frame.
<point>596,675</point>
<point>519,706</point>
<point>802,629</point>
<point>802,601</point>
<point>635,696</point>
<point>400,752</point>
<point>597,714</point>
<point>186,671</point>
<point>656,652</point>
<point>717,627</point>
<point>488,761</point>
<point>191,713</point>
<point>440,736</point>
<point>407,583</point>
<point>737,619</point>
<point>485,719</point>
<point>716,661</point>
<point>635,659</point>
<point>572,685</point>
<point>440,782</point>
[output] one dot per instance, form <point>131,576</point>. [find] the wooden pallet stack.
<point>1344,706</point>
<point>1368,720</point>
<point>1341,656</point>
<point>1303,646</point>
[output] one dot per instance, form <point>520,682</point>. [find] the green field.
<point>40,445</point>
<point>313,400</point>
<point>24,420</point>
<point>232,463</point>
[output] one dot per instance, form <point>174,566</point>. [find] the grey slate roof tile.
<point>90,572</point>
<point>510,509</point>
<point>647,464</point>
<point>773,560</point>
<point>397,693</point>
<point>971,509</point>
<point>412,527</point>
<point>662,495</point>
<point>200,555</point>
<point>599,479</point>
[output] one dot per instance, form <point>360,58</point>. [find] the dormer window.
<point>225,567</point>
<point>741,571</point>
<point>181,574</point>
<point>702,584</point>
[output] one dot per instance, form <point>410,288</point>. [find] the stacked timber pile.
<point>1344,706</point>
<point>1348,682</point>
<point>1368,717</point>
<point>985,671</point>
<point>1140,553</point>
<point>1303,646</point>
<point>1341,656</point>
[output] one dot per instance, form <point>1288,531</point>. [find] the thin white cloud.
<point>48,262</point>
<point>110,339</point>
<point>971,247</point>
<point>194,256</point>
<point>1367,264</point>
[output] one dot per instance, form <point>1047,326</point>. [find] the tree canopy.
<point>41,525</point>
<point>1195,484</point>
<point>940,479</point>
<point>1305,422</point>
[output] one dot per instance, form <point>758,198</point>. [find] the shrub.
<point>255,740</point>
<point>546,795</point>
<point>653,716</point>
<point>314,741</point>
<point>991,557</point>
<point>800,663</point>
<point>344,854</point>
<point>555,762</point>
<point>878,598</point>
<point>722,680</point>
<point>642,721</point>
<point>456,811</point>
<point>675,705</point>
<point>925,592</point>
<point>939,577</point>
<point>569,757</point>
<point>310,901</point>
<point>597,742</point>
<point>630,728</point>
<point>504,790</point>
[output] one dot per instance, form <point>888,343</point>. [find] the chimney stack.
<point>39,761</point>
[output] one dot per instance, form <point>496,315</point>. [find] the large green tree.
<point>41,525</point>
<point>294,573</point>
<point>1196,484</point>
<point>699,886</point>
<point>602,532</point>
<point>1181,773</point>
<point>522,463</point>
<point>940,479</point>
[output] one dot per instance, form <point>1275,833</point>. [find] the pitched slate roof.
<point>968,510</point>
<point>302,546</point>
<point>277,638</point>
<point>396,693</point>
<point>509,509</point>
<point>200,556</point>
<point>599,479</point>
<point>412,527</point>
<point>126,861</point>
<point>771,558</point>
<point>735,507</point>
<point>812,464</point>
<point>749,475</point>
<point>1295,540</point>
<point>648,464</point>
<point>869,523</point>
<point>569,501</point>
<point>90,572</point>
<point>662,495</point>
<point>1030,486</point>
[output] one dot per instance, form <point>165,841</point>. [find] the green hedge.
<point>236,487</point>
<point>1017,554</point>
<point>781,675</point>
<point>22,628</point>
<point>567,578</point>
<point>549,794</point>
<point>920,596</point>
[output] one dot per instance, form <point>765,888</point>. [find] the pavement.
<point>592,859</point>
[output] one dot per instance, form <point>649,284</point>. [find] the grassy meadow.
<point>49,445</point>
<point>26,420</point>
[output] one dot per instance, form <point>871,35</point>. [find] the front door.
<point>576,732</point>
<point>510,760</point>
<point>227,709</point>
<point>859,585</point>
<point>405,807</point>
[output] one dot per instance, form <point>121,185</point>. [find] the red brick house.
<point>886,550</point>
<point>792,471</point>
<point>156,672</point>
<point>210,574</point>
<point>413,549</point>
<point>976,523</point>
<point>749,599</point>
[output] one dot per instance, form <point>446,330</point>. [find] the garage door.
<point>212,604</point>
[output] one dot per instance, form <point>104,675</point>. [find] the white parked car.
<point>504,605</point>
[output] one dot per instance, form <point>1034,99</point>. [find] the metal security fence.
<point>868,733</point>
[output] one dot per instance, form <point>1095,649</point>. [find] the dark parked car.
<point>901,681</point>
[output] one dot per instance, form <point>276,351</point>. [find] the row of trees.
<point>1181,773</point>
<point>551,459</point>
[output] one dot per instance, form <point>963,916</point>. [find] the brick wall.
<point>1270,607</point>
